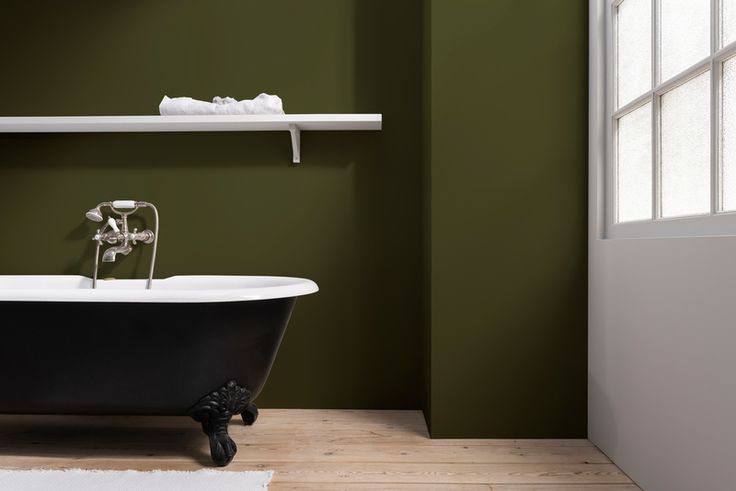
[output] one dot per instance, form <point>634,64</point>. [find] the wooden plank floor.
<point>315,450</point>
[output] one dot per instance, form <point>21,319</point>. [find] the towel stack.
<point>179,106</point>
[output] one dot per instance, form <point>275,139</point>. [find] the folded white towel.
<point>263,104</point>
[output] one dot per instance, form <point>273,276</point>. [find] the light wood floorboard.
<point>315,450</point>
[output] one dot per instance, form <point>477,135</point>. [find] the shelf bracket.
<point>296,142</point>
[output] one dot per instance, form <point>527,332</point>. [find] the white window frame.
<point>602,105</point>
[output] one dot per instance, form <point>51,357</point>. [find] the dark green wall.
<point>506,116</point>
<point>348,217</point>
<point>449,247</point>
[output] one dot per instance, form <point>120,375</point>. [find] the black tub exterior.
<point>137,358</point>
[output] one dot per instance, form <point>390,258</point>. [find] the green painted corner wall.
<point>449,247</point>
<point>349,217</point>
<point>506,118</point>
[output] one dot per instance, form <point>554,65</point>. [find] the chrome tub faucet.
<point>116,233</point>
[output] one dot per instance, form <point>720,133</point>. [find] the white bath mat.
<point>94,480</point>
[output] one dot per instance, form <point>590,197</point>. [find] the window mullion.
<point>655,112</point>
<point>715,27</point>
<point>610,89</point>
<point>635,104</point>
<point>715,80</point>
<point>715,167</point>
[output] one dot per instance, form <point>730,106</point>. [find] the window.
<point>672,111</point>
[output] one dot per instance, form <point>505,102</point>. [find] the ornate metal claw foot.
<point>214,411</point>
<point>250,414</point>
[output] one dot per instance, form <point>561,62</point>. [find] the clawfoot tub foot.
<point>250,414</point>
<point>214,411</point>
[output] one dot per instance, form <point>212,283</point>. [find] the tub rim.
<point>173,289</point>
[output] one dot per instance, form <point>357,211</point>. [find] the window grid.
<point>713,63</point>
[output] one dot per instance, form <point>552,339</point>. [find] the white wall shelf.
<point>293,123</point>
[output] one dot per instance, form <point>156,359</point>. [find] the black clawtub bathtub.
<point>192,345</point>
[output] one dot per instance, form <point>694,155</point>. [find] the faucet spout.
<point>110,253</point>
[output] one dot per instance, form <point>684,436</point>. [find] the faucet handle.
<point>145,236</point>
<point>113,225</point>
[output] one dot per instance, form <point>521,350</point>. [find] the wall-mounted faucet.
<point>119,236</point>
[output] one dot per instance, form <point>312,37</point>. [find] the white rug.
<point>94,480</point>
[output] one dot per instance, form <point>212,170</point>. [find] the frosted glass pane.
<point>685,154</point>
<point>684,35</point>
<point>728,22</point>
<point>728,143</point>
<point>634,169</point>
<point>633,49</point>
